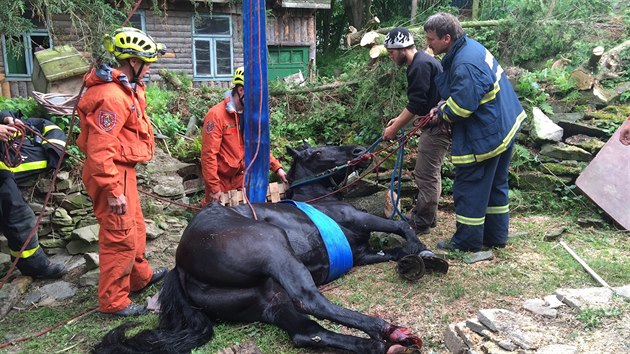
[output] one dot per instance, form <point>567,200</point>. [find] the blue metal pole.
<point>256,115</point>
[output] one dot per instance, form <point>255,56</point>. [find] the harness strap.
<point>339,251</point>
<point>310,179</point>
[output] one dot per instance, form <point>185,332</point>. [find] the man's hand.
<point>8,120</point>
<point>433,113</point>
<point>282,175</point>
<point>7,132</point>
<point>215,197</point>
<point>390,131</point>
<point>117,205</point>
<point>624,133</point>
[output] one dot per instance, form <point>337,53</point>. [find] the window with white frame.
<point>137,21</point>
<point>18,59</point>
<point>212,46</point>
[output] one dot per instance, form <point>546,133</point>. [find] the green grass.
<point>593,318</point>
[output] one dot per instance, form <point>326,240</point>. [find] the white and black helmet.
<point>398,38</point>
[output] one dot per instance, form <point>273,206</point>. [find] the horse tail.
<point>181,328</point>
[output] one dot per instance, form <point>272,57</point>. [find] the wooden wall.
<point>285,27</point>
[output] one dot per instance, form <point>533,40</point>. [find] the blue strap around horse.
<point>339,251</point>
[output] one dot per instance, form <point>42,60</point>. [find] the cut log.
<point>596,55</point>
<point>583,80</point>
<point>560,63</point>
<point>326,87</point>
<point>378,51</point>
<point>191,128</point>
<point>610,64</point>
<point>370,39</point>
<point>354,37</point>
<point>171,78</point>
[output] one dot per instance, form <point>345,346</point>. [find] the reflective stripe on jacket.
<point>480,102</point>
<point>37,154</point>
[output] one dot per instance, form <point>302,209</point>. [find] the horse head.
<point>316,171</point>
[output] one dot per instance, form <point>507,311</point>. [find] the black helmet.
<point>398,38</point>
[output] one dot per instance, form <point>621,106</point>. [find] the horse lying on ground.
<point>231,267</point>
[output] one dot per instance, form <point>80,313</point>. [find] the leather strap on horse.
<point>339,251</point>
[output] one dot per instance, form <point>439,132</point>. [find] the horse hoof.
<point>435,265</point>
<point>399,349</point>
<point>411,267</point>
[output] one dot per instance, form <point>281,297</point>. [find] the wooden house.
<point>205,42</point>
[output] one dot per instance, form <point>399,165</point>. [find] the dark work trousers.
<point>432,146</point>
<point>16,222</point>
<point>482,213</point>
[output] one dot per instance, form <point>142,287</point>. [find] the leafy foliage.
<point>544,29</point>
<point>90,19</point>
<point>28,107</point>
<point>530,91</point>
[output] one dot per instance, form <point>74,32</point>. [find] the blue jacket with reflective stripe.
<point>36,154</point>
<point>480,102</point>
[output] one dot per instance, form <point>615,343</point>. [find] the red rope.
<point>12,148</point>
<point>46,330</point>
<point>9,163</point>
<point>420,123</point>
<point>39,219</point>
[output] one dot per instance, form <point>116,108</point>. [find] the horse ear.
<point>305,145</point>
<point>293,153</point>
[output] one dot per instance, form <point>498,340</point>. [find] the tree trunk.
<point>357,11</point>
<point>414,11</point>
<point>326,25</point>
<point>475,9</point>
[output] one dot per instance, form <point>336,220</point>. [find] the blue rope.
<point>374,144</point>
<point>397,175</point>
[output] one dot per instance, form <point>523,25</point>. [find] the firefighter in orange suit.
<point>116,134</point>
<point>222,147</point>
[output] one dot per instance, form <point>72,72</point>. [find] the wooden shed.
<point>204,39</point>
<point>59,70</point>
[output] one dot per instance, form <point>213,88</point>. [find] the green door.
<point>284,61</point>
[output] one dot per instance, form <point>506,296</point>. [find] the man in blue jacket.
<point>17,220</point>
<point>486,115</point>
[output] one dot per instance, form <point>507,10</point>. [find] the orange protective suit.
<point>115,135</point>
<point>223,150</point>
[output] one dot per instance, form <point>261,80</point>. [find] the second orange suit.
<point>223,150</point>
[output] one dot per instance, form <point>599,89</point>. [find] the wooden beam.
<point>306,4</point>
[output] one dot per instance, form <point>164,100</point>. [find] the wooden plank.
<point>606,180</point>
<point>14,89</point>
<point>22,89</point>
<point>273,193</point>
<point>306,4</point>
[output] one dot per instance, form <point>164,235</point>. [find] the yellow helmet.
<point>129,42</point>
<point>239,76</point>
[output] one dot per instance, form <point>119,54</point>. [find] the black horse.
<point>230,267</point>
